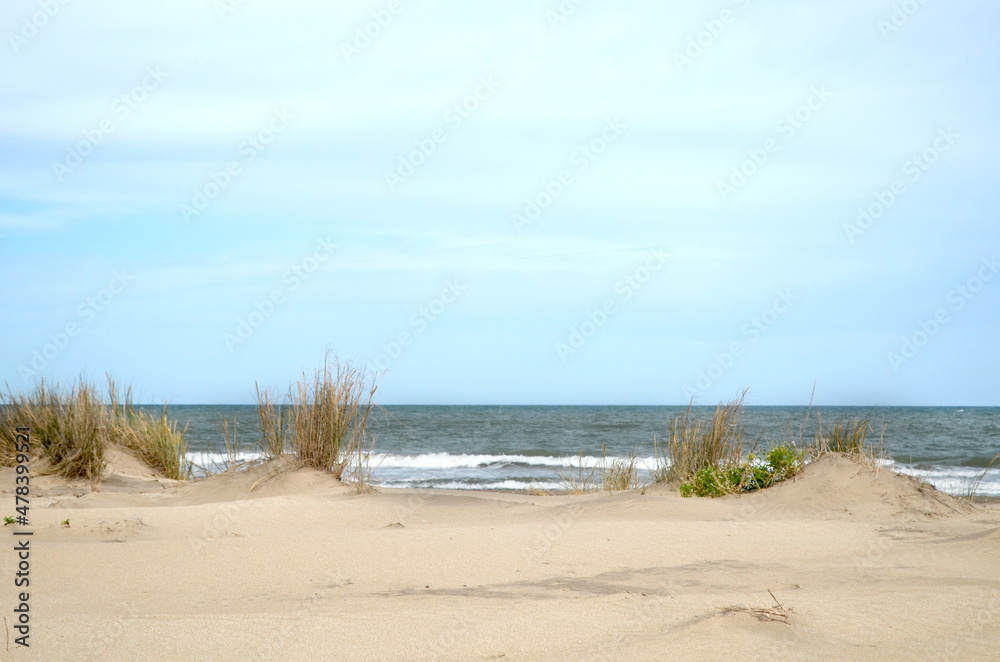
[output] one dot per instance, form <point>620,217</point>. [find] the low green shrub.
<point>783,461</point>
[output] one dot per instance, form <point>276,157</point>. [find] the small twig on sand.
<point>765,613</point>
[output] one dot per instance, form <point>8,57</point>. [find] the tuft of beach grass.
<point>620,474</point>
<point>850,438</point>
<point>578,479</point>
<point>155,440</point>
<point>706,458</point>
<point>328,416</point>
<point>695,445</point>
<point>73,428</point>
<point>69,428</point>
<point>273,423</point>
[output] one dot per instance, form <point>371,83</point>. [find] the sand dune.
<point>278,563</point>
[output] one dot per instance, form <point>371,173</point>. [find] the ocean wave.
<point>462,485</point>
<point>515,471</point>
<point>958,481</point>
<point>449,461</point>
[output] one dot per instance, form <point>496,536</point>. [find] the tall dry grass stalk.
<point>235,457</point>
<point>273,423</point>
<point>695,444</point>
<point>850,437</point>
<point>620,475</point>
<point>329,417</point>
<point>971,489</point>
<point>610,476</point>
<point>578,479</point>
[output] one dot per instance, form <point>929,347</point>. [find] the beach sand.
<point>293,565</point>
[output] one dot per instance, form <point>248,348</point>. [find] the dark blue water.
<point>516,447</point>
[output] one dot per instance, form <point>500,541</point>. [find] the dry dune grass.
<point>273,423</point>
<point>695,445</point>
<point>72,428</point>
<point>709,458</point>
<point>850,437</point>
<point>326,422</point>
<point>619,474</point>
<point>156,440</point>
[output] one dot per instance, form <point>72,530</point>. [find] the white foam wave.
<point>449,461</point>
<point>517,472</point>
<point>458,485</point>
<point>202,458</point>
<point>959,481</point>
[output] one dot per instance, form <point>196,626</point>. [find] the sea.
<point>539,447</point>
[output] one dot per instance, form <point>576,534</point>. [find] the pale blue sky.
<point>114,116</point>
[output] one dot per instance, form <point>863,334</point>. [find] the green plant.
<point>65,522</point>
<point>781,462</point>
<point>785,461</point>
<point>706,482</point>
<point>9,520</point>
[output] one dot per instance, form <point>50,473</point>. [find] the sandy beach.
<point>284,563</point>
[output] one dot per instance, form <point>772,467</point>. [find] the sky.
<point>526,202</point>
